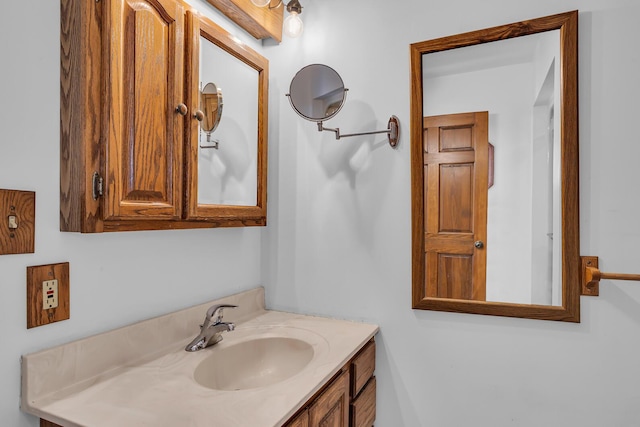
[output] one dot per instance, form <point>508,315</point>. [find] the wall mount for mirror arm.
<point>591,276</point>
<point>199,116</point>
<point>392,131</point>
<point>215,145</point>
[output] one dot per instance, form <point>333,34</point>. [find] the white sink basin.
<point>258,362</point>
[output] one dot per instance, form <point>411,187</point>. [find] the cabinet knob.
<point>182,109</point>
<point>479,244</point>
<point>199,115</point>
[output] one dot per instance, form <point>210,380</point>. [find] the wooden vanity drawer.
<point>362,367</point>
<point>363,408</point>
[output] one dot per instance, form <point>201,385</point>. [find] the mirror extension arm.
<point>392,131</point>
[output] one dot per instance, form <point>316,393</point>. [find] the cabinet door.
<point>331,408</point>
<point>143,46</point>
<point>226,168</point>
<point>302,420</point>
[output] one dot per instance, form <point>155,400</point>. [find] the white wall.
<point>339,237</point>
<point>116,278</point>
<point>338,241</point>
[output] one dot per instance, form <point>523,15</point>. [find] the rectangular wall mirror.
<point>494,134</point>
<point>227,144</point>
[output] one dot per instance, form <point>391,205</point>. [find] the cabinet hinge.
<point>97,186</point>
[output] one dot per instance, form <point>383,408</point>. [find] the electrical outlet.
<point>49,294</point>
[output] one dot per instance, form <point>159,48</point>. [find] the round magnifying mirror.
<point>317,92</point>
<point>211,106</point>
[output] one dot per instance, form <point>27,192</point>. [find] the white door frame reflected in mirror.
<point>567,306</point>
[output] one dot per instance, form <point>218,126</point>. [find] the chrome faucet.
<point>210,331</point>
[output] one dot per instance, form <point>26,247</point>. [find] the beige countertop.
<point>140,375</point>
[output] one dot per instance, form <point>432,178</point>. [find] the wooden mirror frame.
<point>569,311</point>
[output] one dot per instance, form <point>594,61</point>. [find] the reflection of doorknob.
<point>198,115</point>
<point>478,244</point>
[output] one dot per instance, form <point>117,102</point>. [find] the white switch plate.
<point>49,294</point>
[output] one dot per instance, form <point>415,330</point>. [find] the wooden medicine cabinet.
<point>131,156</point>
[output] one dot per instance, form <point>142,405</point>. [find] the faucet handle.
<point>215,311</point>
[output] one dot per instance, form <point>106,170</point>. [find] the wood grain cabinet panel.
<point>362,367</point>
<point>331,408</point>
<point>363,408</point>
<point>144,86</point>
<point>125,116</point>
<point>301,420</point>
<point>333,403</point>
<point>363,387</point>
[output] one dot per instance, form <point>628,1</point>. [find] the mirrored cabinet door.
<point>227,133</point>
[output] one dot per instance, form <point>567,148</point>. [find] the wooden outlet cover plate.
<point>36,315</point>
<point>17,222</point>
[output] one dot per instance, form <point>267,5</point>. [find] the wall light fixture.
<point>292,25</point>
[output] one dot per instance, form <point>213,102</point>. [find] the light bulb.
<point>261,3</point>
<point>293,25</point>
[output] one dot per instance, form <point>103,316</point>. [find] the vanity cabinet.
<point>349,400</point>
<point>126,97</point>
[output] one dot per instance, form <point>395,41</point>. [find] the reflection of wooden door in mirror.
<point>455,205</point>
